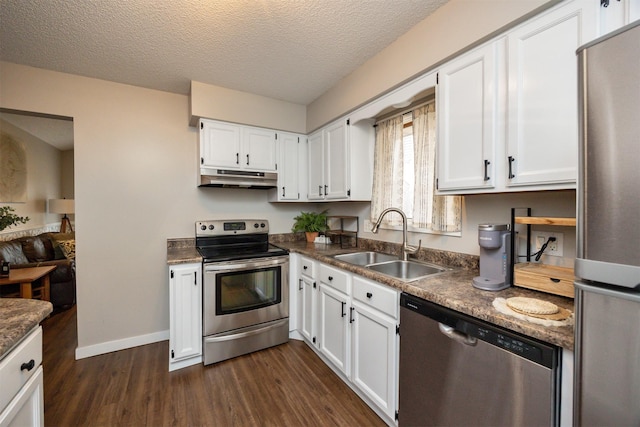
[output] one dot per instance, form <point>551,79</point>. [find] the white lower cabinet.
<point>185,315</point>
<point>352,323</point>
<point>334,325</point>
<point>21,377</point>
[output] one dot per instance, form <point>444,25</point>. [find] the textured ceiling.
<point>292,50</point>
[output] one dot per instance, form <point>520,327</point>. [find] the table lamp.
<point>63,206</point>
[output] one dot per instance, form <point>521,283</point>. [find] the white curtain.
<point>387,170</point>
<point>437,213</point>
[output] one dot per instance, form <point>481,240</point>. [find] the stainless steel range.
<point>246,288</point>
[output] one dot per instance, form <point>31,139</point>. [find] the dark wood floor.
<point>286,385</point>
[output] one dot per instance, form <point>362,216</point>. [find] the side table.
<point>26,276</point>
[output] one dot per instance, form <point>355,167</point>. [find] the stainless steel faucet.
<point>406,249</point>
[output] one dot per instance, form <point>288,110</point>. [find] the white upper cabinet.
<point>259,151</point>
<point>542,115</point>
<point>467,95</point>
<point>315,166</point>
<point>508,110</point>
<point>235,147</point>
<point>340,161</point>
<point>616,14</point>
<point>291,175</point>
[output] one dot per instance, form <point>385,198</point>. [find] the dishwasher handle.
<point>457,335</point>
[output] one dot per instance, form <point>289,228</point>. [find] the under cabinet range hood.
<point>210,177</point>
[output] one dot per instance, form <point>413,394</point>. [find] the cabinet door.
<point>185,331</point>
<point>308,315</point>
<point>333,327</point>
<point>258,149</point>
<point>375,356</point>
<point>616,14</point>
<point>467,102</point>
<point>288,171</point>
<point>219,145</point>
<point>315,167</point>
<point>542,139</point>
<point>26,409</point>
<point>336,175</point>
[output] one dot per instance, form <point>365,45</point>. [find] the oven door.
<point>244,293</point>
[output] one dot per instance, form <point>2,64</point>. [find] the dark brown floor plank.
<point>287,385</point>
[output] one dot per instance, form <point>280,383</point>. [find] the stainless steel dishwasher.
<point>456,370</point>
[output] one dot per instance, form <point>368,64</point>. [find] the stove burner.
<point>228,240</point>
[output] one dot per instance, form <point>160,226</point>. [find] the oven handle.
<point>263,262</point>
<point>233,336</point>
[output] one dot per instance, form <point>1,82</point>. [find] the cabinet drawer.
<point>375,295</point>
<point>12,377</point>
<point>335,278</point>
<point>307,267</point>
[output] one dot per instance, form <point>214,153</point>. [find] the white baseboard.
<point>109,346</point>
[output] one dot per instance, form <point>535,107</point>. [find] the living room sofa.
<point>45,249</point>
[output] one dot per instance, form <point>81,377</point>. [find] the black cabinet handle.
<point>247,159</point>
<point>486,170</point>
<point>511,160</point>
<point>330,278</point>
<point>325,190</point>
<point>350,314</point>
<point>195,278</point>
<point>28,366</point>
<point>314,285</point>
<point>237,158</point>
<point>282,191</point>
<point>343,306</point>
<point>369,294</point>
<point>304,267</point>
<point>319,190</point>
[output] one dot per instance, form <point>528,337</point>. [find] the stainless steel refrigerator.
<point>607,267</point>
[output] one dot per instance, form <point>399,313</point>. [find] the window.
<point>404,174</point>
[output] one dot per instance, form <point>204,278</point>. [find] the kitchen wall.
<point>136,163</point>
<point>44,166</point>
<point>482,209</point>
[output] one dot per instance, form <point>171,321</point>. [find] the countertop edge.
<point>18,317</point>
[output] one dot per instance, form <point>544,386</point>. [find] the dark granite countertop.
<point>18,317</point>
<point>182,251</point>
<point>454,290</point>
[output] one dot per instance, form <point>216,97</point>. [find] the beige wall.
<point>215,102</point>
<point>135,186</point>
<point>451,28</point>
<point>44,163</point>
<point>67,174</point>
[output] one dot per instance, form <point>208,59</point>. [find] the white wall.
<point>44,163</point>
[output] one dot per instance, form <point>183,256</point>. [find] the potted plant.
<point>8,219</point>
<point>311,223</point>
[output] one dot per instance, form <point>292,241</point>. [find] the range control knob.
<point>203,227</point>
<point>211,227</point>
<point>262,225</point>
<point>256,225</point>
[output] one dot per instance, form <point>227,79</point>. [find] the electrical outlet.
<point>553,248</point>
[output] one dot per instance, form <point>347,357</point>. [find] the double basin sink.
<point>390,265</point>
